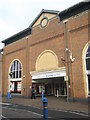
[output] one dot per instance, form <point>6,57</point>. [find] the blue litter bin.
<point>9,95</point>
<point>45,109</point>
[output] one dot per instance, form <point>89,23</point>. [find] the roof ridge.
<point>44,11</point>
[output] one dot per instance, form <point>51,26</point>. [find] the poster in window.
<point>19,86</point>
<point>12,87</point>
<point>40,89</point>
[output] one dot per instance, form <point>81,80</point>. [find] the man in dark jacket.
<point>33,93</point>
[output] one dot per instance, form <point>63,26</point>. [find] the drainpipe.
<point>26,63</point>
<point>0,76</point>
<point>67,54</point>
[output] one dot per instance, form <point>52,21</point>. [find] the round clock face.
<point>44,22</point>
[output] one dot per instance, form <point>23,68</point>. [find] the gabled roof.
<point>78,8</point>
<point>43,11</point>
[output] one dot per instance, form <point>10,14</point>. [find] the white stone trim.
<point>16,79</point>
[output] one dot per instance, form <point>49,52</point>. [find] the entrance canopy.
<point>49,74</point>
<point>50,81</point>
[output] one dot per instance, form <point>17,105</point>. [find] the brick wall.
<point>0,73</point>
<point>52,38</point>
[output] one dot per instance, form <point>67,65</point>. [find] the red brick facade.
<point>53,38</point>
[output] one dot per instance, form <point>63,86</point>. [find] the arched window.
<point>88,59</point>
<point>15,77</point>
<point>88,69</point>
<point>15,70</point>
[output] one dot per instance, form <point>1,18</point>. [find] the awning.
<point>48,74</point>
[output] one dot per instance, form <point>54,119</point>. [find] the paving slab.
<point>53,103</point>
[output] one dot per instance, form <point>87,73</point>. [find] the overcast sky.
<point>16,15</point>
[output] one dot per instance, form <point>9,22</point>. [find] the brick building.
<point>0,72</point>
<point>53,53</point>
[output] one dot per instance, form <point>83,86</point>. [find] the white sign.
<point>12,87</point>
<point>49,74</point>
<point>41,87</point>
<point>19,86</point>
<point>65,78</point>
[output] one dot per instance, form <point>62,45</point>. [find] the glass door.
<point>15,87</point>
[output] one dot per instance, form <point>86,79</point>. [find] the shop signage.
<point>49,74</point>
<point>65,78</point>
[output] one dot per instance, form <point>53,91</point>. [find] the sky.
<point>17,15</point>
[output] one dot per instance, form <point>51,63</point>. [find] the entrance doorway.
<point>43,84</point>
<point>50,81</point>
<point>51,86</point>
<point>48,88</point>
<point>60,87</point>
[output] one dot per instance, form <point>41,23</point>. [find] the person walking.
<point>33,93</point>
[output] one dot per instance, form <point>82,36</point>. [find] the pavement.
<point>53,103</point>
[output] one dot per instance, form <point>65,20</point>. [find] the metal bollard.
<point>42,97</point>
<point>45,109</point>
<point>9,95</point>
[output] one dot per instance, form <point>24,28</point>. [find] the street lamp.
<point>68,85</point>
<point>71,58</point>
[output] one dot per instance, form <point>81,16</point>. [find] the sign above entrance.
<point>65,78</point>
<point>49,74</point>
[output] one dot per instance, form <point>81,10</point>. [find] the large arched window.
<point>88,68</point>
<point>88,58</point>
<point>15,77</point>
<point>15,69</point>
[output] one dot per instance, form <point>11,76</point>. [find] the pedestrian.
<point>33,93</point>
<point>10,90</point>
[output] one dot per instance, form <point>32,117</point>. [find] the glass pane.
<point>88,49</point>
<point>16,74</point>
<point>88,63</point>
<point>88,55</point>
<point>20,74</point>
<point>19,66</point>
<point>15,65</point>
<point>88,84</point>
<point>12,67</point>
